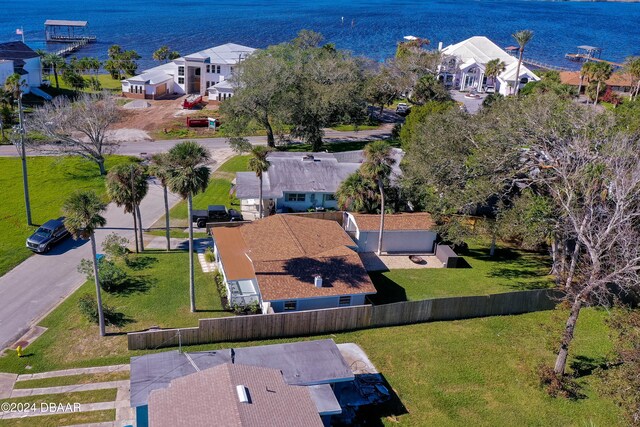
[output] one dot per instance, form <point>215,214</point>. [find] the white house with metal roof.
<point>205,73</point>
<point>465,63</point>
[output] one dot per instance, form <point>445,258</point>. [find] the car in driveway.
<point>215,213</point>
<point>47,235</point>
<point>402,109</point>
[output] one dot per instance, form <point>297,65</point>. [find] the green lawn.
<point>51,179</point>
<point>508,270</point>
<point>466,372</point>
<point>335,147</point>
<point>105,80</point>
<point>72,380</point>
<point>352,128</point>
<point>159,296</point>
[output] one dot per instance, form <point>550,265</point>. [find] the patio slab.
<point>386,262</point>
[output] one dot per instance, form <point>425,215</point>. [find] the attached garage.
<point>410,233</point>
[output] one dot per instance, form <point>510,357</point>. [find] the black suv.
<point>47,235</point>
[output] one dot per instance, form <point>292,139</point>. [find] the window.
<point>345,301</point>
<point>181,71</point>
<point>231,70</point>
<point>180,80</point>
<point>208,68</point>
<point>290,305</point>
<point>295,197</point>
<point>329,197</point>
<point>218,69</point>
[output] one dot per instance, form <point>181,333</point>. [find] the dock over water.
<point>64,31</point>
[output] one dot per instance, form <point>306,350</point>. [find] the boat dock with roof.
<point>64,31</point>
<point>589,53</point>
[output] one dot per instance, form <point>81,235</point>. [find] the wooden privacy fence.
<point>316,322</point>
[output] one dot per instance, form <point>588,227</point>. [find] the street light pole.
<point>23,156</point>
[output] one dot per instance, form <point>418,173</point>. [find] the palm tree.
<point>189,175</point>
<point>601,73</point>
<point>15,85</point>
<point>259,164</point>
<point>357,194</point>
<point>632,67</point>
<point>83,214</point>
<point>160,169</point>
<point>377,166</point>
<point>493,68</point>
<point>127,185</point>
<point>55,62</point>
<point>522,37</point>
<point>588,72</point>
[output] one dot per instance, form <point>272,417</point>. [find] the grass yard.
<point>354,128</point>
<point>158,296</point>
<point>63,419</point>
<point>72,380</point>
<point>467,372</point>
<point>105,80</point>
<point>509,270</point>
<point>51,179</point>
<point>335,147</point>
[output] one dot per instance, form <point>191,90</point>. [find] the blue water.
<point>370,28</point>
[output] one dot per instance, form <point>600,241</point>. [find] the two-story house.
<point>18,58</point>
<point>205,73</point>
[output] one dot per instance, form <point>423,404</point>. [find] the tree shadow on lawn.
<point>117,319</point>
<point>141,262</point>
<point>584,365</point>
<point>388,291</point>
<point>134,285</point>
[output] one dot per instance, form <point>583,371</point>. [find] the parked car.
<point>215,213</point>
<point>47,235</point>
<point>490,89</point>
<point>402,109</point>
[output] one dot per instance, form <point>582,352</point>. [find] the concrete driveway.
<point>36,286</point>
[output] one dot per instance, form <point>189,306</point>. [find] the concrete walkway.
<point>23,392</point>
<point>77,371</point>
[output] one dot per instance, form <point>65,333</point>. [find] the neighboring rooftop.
<point>229,53</point>
<point>572,78</point>
<point>395,222</point>
<point>285,253</point>
<point>301,363</point>
<point>233,395</point>
<point>304,172</point>
<point>16,51</point>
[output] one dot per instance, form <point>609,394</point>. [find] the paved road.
<point>136,148</point>
<point>39,284</point>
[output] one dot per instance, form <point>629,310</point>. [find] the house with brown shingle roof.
<point>410,233</point>
<point>231,395</point>
<point>291,263</point>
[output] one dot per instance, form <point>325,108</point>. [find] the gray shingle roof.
<point>303,172</point>
<point>16,51</point>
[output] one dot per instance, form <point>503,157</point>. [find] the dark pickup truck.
<point>47,235</point>
<point>215,213</point>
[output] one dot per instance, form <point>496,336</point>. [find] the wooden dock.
<point>543,65</point>
<point>581,57</point>
<point>71,48</point>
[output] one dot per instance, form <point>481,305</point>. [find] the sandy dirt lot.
<point>161,114</point>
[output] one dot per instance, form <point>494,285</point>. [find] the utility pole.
<point>23,156</point>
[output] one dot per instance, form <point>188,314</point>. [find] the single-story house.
<point>290,263</point>
<point>297,182</point>
<point>18,58</point>
<point>165,386</point>
<point>619,82</point>
<point>233,395</point>
<point>403,232</point>
<point>464,67</point>
<point>197,73</point>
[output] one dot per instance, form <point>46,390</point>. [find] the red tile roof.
<point>395,222</point>
<point>209,398</point>
<point>572,78</point>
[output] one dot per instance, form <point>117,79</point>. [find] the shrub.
<point>89,309</point>
<point>209,256</point>
<point>115,247</point>
<point>219,281</point>
<point>558,386</point>
<point>111,276</point>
